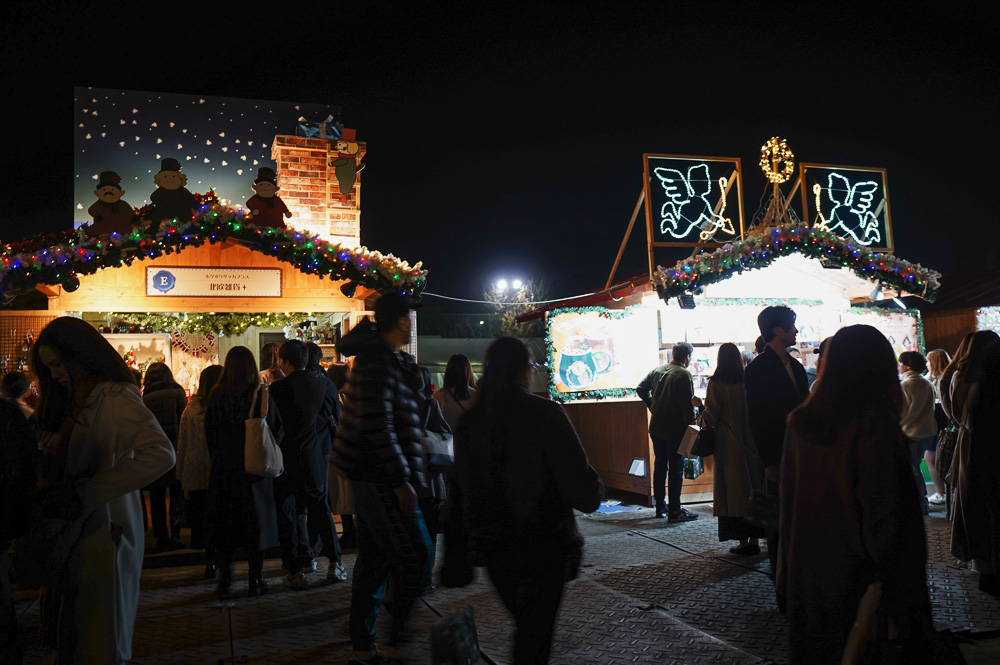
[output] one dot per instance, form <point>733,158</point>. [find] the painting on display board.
<point>988,318</point>
<point>600,352</point>
<point>901,327</point>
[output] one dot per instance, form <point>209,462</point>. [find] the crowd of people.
<point>833,454</point>
<point>838,454</point>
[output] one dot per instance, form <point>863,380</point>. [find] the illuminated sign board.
<point>213,282</point>
<point>692,201</point>
<point>851,201</point>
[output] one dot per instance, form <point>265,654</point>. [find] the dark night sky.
<point>509,142</point>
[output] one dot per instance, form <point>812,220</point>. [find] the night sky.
<point>509,142</point>
<point>220,142</point>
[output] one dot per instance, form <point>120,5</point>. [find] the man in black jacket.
<point>379,450</point>
<point>299,397</point>
<point>775,384</point>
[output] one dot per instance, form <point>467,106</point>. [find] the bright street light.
<point>502,284</point>
<point>516,283</point>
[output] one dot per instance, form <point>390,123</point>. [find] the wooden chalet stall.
<point>832,254</point>
<point>616,337</point>
<point>185,291</point>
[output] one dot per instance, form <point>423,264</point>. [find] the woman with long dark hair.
<point>458,392</point>
<point>166,399</point>
<point>975,526</point>
<point>737,470</point>
<point>270,372</point>
<point>194,464</point>
<point>515,451</point>
<point>104,445</point>
<point>242,505</point>
<point>850,514</point>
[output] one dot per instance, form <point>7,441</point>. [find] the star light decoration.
<point>760,249</point>
<point>54,258</point>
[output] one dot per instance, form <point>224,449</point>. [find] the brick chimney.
<point>311,189</point>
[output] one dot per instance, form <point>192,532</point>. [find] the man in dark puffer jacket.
<point>378,448</point>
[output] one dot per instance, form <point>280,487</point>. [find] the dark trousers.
<point>531,589</point>
<point>158,511</point>
<point>666,462</point>
<point>197,509</point>
<point>390,542</point>
<point>771,535</point>
<point>293,539</point>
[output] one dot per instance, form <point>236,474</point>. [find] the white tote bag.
<point>262,456</point>
<point>690,438</point>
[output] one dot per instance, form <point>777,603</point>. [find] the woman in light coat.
<point>737,471</point>
<point>194,463</point>
<point>92,416</point>
<point>917,416</point>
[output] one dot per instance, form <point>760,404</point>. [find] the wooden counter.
<point>616,432</point>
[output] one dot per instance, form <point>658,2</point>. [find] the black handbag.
<point>705,445</point>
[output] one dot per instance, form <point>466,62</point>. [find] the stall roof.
<point>840,263</point>
<point>979,289</point>
<point>54,258</point>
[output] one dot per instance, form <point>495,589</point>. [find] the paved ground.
<point>650,592</point>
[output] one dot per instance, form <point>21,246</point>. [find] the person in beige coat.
<point>738,471</point>
<point>917,414</point>
<point>108,445</point>
<point>194,463</point>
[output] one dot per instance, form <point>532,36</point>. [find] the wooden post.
<point>628,233</point>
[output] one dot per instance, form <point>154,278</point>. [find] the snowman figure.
<point>111,214</point>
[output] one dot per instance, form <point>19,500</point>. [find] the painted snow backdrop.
<point>220,142</point>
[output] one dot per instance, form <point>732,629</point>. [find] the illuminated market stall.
<point>185,289</point>
<point>599,350</point>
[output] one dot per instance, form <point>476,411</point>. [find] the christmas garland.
<point>230,324</point>
<point>915,313</point>
<point>551,351</point>
<point>761,248</point>
<point>55,258</point>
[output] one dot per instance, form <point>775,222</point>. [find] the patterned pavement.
<point>649,592</point>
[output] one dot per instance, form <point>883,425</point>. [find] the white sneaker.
<point>936,499</point>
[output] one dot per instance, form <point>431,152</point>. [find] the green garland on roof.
<point>52,259</point>
<point>761,247</point>
<point>230,324</point>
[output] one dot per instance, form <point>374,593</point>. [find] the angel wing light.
<point>687,207</point>
<point>851,214</point>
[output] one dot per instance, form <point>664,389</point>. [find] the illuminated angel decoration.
<point>851,214</point>
<point>687,207</point>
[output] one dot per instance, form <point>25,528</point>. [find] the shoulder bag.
<point>437,439</point>
<point>262,456</point>
<point>704,446</point>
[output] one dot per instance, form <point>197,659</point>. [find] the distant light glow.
<point>516,283</point>
<point>502,284</point>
